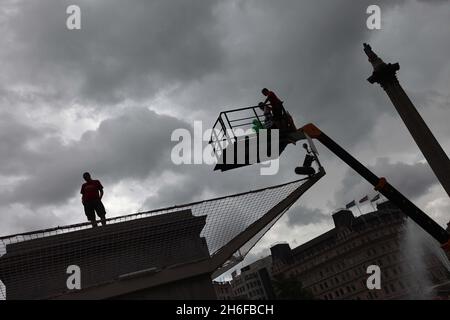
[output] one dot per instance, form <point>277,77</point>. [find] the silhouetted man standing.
<point>275,103</point>
<point>281,117</point>
<point>92,193</point>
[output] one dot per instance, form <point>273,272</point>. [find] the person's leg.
<point>275,122</point>
<point>280,114</point>
<point>291,125</point>
<point>101,212</point>
<point>90,213</point>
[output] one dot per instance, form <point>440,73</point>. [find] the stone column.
<point>386,76</point>
<point>447,247</point>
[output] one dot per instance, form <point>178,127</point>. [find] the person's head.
<point>87,176</point>
<point>265,91</point>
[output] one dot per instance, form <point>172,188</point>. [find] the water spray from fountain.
<point>418,247</point>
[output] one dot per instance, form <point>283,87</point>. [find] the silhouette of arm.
<point>100,188</point>
<point>82,201</point>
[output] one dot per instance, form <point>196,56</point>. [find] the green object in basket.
<point>257,125</point>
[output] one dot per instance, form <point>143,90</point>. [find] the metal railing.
<point>224,129</point>
<point>227,218</point>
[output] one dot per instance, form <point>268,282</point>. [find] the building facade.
<point>334,265</point>
<point>253,282</point>
<point>224,290</point>
<point>145,258</point>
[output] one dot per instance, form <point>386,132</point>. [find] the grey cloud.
<point>133,145</point>
<point>301,216</point>
<point>19,218</point>
<point>413,180</point>
<point>118,53</point>
<point>14,137</point>
<point>170,193</point>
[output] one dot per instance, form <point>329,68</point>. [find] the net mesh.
<point>224,219</point>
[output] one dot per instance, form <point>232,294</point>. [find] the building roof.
<point>36,268</point>
<point>385,210</point>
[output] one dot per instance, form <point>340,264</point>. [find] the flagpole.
<point>365,199</point>
<point>360,213</point>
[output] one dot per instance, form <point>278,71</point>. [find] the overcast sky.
<point>106,99</point>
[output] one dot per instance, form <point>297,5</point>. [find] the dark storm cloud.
<point>18,218</point>
<point>301,216</point>
<point>413,180</point>
<point>134,145</point>
<point>180,191</point>
<point>122,51</point>
<point>197,182</point>
<point>13,144</point>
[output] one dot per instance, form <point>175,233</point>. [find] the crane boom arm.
<point>382,186</point>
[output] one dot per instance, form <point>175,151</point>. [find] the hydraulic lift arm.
<point>382,186</point>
